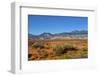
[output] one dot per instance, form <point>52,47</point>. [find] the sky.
<point>38,24</point>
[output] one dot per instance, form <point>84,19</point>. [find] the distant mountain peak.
<point>46,34</point>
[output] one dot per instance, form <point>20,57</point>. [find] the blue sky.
<point>38,24</point>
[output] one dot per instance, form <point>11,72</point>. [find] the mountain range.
<point>73,34</point>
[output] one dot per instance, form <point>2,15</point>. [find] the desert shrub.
<point>63,49</point>
<point>85,49</point>
<point>84,54</point>
<point>70,48</point>
<point>65,57</point>
<point>38,45</point>
<point>42,53</point>
<point>58,50</point>
<point>47,46</point>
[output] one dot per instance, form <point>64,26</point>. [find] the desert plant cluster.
<point>57,49</point>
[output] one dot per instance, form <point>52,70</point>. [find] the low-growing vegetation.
<point>70,48</point>
<point>57,49</point>
<point>38,45</point>
<point>64,49</point>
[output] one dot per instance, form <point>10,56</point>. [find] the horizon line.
<point>58,32</point>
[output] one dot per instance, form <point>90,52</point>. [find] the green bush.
<point>70,48</point>
<point>58,50</point>
<point>63,49</point>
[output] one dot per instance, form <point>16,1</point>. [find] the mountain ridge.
<point>46,35</point>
